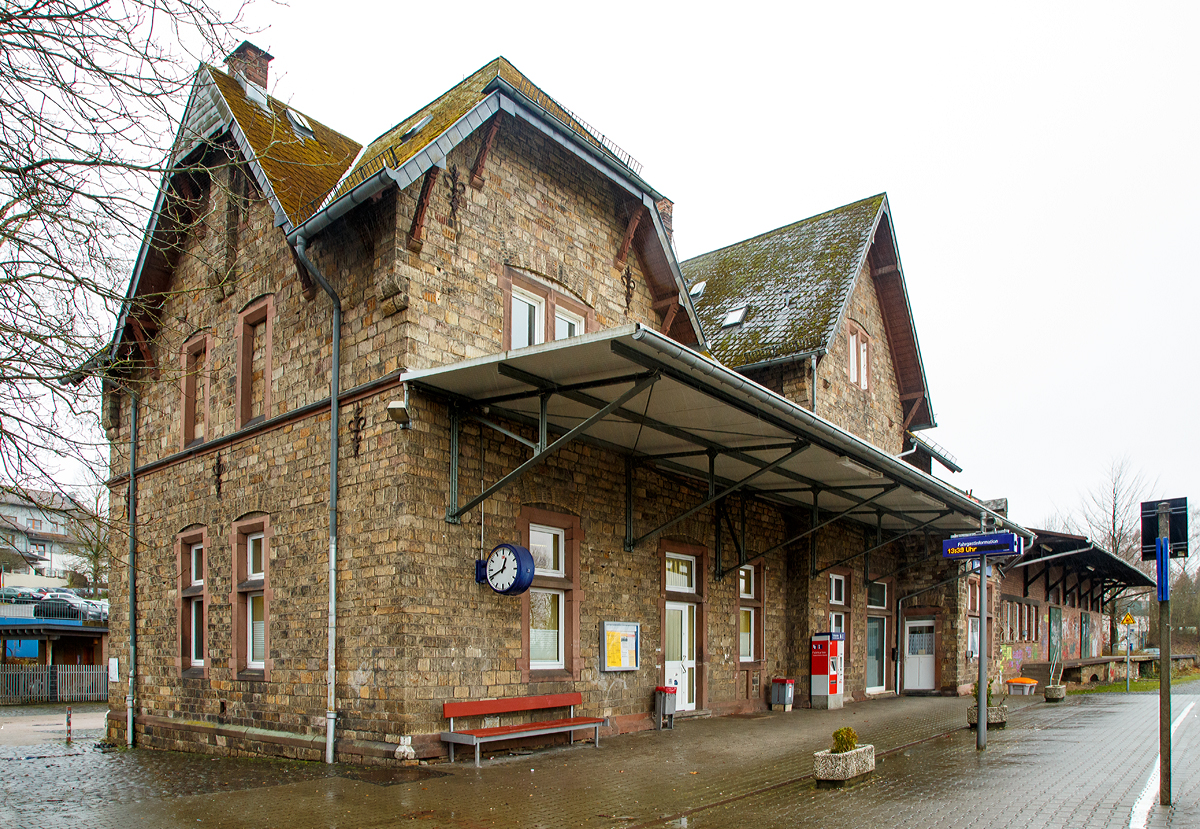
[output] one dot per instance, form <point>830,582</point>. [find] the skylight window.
<point>415,128</point>
<point>300,124</point>
<point>735,317</point>
<point>697,290</point>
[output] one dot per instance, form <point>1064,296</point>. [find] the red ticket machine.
<point>828,667</point>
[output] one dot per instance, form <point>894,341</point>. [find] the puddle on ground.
<point>390,777</point>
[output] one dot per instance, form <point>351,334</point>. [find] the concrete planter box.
<point>1055,693</point>
<point>839,769</point>
<point>997,716</point>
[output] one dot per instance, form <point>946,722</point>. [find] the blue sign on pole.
<point>985,544</point>
<point>1162,549</point>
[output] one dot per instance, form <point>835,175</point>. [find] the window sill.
<point>252,675</point>
<point>194,672</point>
<point>193,590</point>
<point>251,584</point>
<point>751,665</point>
<point>550,675</point>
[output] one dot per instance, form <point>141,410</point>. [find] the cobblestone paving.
<point>1081,763</point>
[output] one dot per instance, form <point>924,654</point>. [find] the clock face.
<point>502,569</point>
<point>509,569</point>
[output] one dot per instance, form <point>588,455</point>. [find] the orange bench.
<point>486,707</point>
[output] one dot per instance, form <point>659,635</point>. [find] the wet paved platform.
<point>1080,763</point>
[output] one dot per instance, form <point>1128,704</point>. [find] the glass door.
<point>680,658</point>
<point>876,649</point>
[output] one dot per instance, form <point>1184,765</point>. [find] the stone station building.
<point>486,303</point>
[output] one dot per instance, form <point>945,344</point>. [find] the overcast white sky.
<point>1040,162</point>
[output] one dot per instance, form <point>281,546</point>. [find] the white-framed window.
<point>256,632</point>
<point>197,563</point>
<point>973,638</point>
<point>547,546</point>
<point>567,324</point>
<point>528,318</point>
<point>837,622</point>
<point>876,594</point>
<point>837,589</point>
<point>681,573</point>
<point>746,582</point>
<point>858,352</point>
<point>546,629</point>
<point>254,555</point>
<point>746,634</point>
<point>196,639</point>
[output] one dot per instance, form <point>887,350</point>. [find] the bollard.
<point>68,723</point>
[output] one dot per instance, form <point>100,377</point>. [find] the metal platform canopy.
<point>1082,563</point>
<point>638,393</point>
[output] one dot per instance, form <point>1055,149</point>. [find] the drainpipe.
<point>133,421</point>
<point>812,361</point>
<point>334,388</point>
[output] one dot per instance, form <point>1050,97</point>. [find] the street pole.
<point>981,729</point>
<point>1163,548</point>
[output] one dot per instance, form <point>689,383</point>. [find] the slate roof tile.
<point>795,279</point>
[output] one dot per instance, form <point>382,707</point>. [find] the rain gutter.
<point>334,384</point>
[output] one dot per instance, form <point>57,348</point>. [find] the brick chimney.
<point>250,62</point>
<point>666,209</point>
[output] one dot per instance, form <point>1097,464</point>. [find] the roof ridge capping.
<point>881,197</point>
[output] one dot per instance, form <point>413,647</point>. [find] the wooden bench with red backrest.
<point>486,707</point>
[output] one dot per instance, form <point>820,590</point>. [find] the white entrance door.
<point>680,657</point>
<point>918,656</point>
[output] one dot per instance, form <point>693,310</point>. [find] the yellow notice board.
<point>620,646</point>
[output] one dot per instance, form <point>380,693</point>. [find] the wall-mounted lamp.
<point>397,411</point>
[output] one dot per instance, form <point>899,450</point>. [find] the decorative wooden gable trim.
<point>630,230</point>
<point>484,149</point>
<point>143,344</point>
<point>417,231</point>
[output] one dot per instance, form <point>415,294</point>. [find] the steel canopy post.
<point>1163,549</point>
<point>981,729</point>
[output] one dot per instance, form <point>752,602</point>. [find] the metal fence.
<point>53,683</point>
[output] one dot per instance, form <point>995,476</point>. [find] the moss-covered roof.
<point>300,170</point>
<point>446,109</point>
<point>795,280</point>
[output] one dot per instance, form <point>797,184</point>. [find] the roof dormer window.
<point>415,128</point>
<point>255,94</point>
<point>735,316</point>
<point>300,125</point>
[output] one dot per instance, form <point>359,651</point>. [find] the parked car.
<point>16,594</point>
<point>101,609</point>
<point>66,607</point>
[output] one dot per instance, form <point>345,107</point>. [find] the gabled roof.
<point>293,169</point>
<point>402,155</point>
<point>796,283</point>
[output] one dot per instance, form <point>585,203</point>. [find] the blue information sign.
<point>989,544</point>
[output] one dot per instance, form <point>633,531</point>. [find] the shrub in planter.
<point>845,761</point>
<point>997,715</point>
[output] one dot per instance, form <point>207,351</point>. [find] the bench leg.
<point>451,752</point>
<point>477,763</point>
<point>597,736</point>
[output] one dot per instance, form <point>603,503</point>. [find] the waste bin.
<point>1022,686</point>
<point>783,692</point>
<point>664,706</point>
